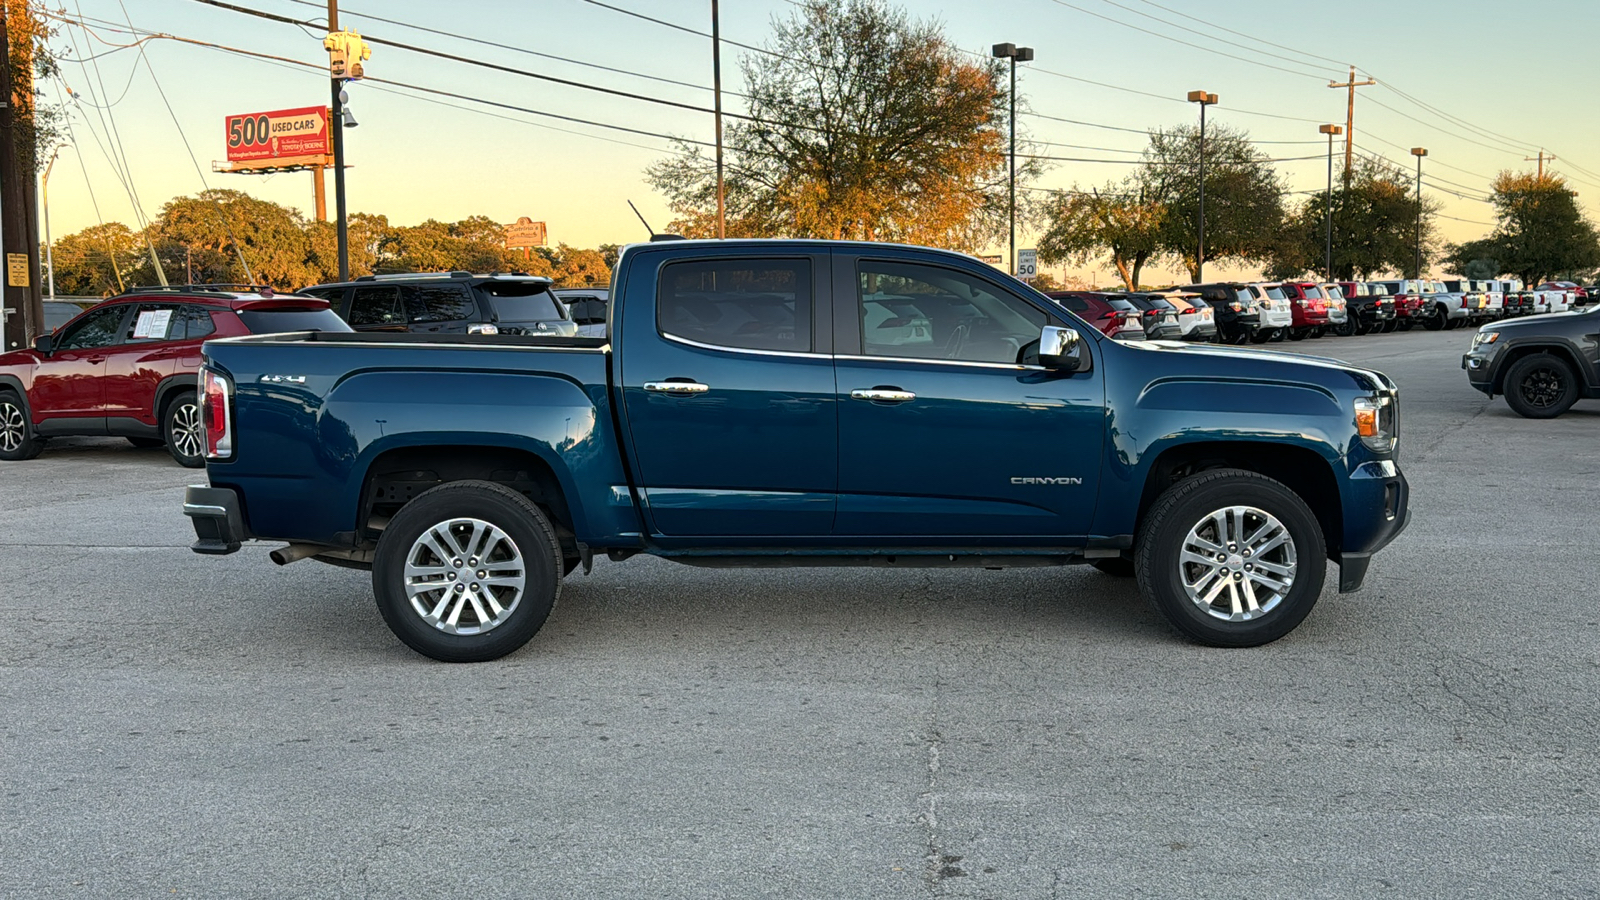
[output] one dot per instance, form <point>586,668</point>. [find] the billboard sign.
<point>281,134</point>
<point>525,234</point>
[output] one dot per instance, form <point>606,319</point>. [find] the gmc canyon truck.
<point>797,403</point>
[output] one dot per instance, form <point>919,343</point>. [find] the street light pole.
<point>1419,153</point>
<point>336,124</point>
<point>49,256</point>
<point>716,84</point>
<point>1015,54</point>
<point>1327,259</point>
<point>1205,100</point>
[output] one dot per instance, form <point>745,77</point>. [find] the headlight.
<point>1484,337</point>
<point>1375,422</point>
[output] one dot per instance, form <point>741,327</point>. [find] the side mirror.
<point>1060,348</point>
<point>44,343</point>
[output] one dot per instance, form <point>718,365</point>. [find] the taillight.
<point>216,413</point>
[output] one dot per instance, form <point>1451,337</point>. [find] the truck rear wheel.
<point>467,572</point>
<point>1231,558</point>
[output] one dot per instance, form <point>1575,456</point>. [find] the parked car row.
<point>1258,312</point>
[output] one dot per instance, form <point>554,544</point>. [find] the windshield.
<point>1276,293</point>
<point>523,301</point>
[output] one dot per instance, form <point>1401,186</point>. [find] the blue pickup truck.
<point>795,403</point>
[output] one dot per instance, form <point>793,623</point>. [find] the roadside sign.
<point>525,234</point>
<point>279,134</point>
<point>17,269</point>
<point>1027,264</point>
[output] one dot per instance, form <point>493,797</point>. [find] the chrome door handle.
<point>882,395</point>
<point>676,387</point>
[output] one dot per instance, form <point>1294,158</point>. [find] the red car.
<point>1309,308</point>
<point>127,367</point>
<point>1115,316</point>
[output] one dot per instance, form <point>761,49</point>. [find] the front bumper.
<point>1479,367</point>
<point>218,521</point>
<point>1380,497</point>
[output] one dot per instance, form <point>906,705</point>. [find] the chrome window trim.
<point>793,354</point>
<point>1014,367</point>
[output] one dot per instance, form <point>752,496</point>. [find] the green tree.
<point>365,233</point>
<point>580,268</point>
<point>97,261</point>
<point>209,232</point>
<point>474,244</point>
<point>1540,231</point>
<point>1374,227</point>
<point>1114,223</point>
<point>1244,195</point>
<point>865,124</point>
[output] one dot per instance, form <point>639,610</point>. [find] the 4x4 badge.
<point>282,379</point>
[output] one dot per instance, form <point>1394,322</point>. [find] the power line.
<point>687,30</point>
<point>1245,59</point>
<point>1210,24</point>
<point>1244,47</point>
<point>514,48</point>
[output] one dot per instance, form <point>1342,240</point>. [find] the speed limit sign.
<point>1027,264</point>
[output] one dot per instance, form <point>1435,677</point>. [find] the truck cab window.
<point>745,304</point>
<point>928,312</point>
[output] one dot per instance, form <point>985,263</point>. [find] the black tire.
<point>18,441</point>
<point>1262,335</point>
<point>182,432</point>
<point>1406,325</point>
<point>147,443</point>
<point>530,536</point>
<point>1318,332</point>
<point>1364,329</point>
<point>1115,566</point>
<point>1188,505</point>
<point>1347,328</point>
<point>1437,320</point>
<point>1540,386</point>
<point>1297,334</point>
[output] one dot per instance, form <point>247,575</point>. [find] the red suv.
<point>1114,316</point>
<point>1309,308</point>
<point>128,366</point>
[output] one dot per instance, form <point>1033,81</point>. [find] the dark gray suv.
<point>449,303</point>
<point>1542,364</point>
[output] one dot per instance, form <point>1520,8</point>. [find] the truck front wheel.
<point>467,572</point>
<point>1231,558</point>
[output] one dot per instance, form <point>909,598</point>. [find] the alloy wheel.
<point>1237,563</point>
<point>464,576</point>
<point>1542,387</point>
<point>13,427</point>
<point>187,431</point>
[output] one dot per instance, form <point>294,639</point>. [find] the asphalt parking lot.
<point>185,726</point>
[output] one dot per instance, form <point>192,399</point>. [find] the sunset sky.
<point>1481,85</point>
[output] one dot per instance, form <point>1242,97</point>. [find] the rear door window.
<point>153,322</point>
<point>439,303</point>
<point>749,304</point>
<point>374,306</point>
<point>196,323</point>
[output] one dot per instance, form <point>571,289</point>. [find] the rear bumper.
<point>218,522</point>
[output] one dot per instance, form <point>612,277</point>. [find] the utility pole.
<point>1350,119</point>
<point>1541,158</point>
<point>21,309</point>
<point>716,84</point>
